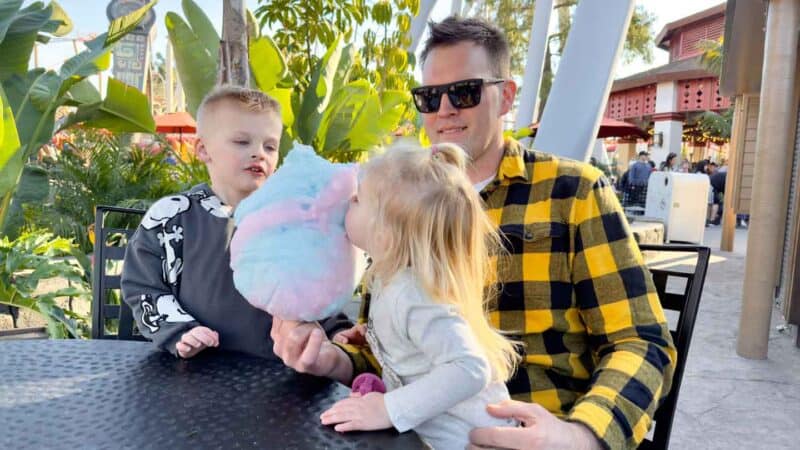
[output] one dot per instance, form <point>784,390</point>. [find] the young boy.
<point>176,276</point>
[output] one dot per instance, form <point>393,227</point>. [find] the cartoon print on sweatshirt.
<point>165,309</point>
<point>164,210</point>
<point>214,206</point>
<point>160,214</point>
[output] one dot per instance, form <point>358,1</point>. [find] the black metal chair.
<point>12,311</point>
<point>686,304</point>
<point>109,251</point>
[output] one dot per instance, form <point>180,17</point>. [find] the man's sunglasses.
<point>462,94</point>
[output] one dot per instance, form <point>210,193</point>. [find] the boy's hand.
<point>195,340</point>
<point>358,412</point>
<point>355,335</point>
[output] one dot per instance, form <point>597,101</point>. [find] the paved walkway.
<point>727,401</point>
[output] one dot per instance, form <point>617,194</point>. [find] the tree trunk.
<point>234,62</point>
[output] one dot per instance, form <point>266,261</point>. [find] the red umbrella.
<point>178,122</point>
<point>611,128</point>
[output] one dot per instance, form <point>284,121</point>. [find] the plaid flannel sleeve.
<point>627,328</point>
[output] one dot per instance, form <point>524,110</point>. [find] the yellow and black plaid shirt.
<point>576,292</point>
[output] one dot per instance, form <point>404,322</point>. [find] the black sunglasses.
<point>462,94</point>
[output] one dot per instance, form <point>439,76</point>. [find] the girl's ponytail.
<point>450,154</point>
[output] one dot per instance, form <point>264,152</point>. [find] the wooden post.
<point>773,152</point>
<point>735,149</point>
<point>235,66</point>
<point>626,151</point>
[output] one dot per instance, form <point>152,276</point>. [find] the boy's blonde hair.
<point>431,220</point>
<point>251,99</point>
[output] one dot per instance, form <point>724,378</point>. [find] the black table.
<point>116,394</point>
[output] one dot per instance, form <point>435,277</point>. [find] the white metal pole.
<point>578,98</point>
<point>534,63</point>
<point>455,7</point>
<point>419,22</point>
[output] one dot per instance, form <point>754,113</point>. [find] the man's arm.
<point>304,347</point>
<point>335,324</point>
<point>308,351</point>
<point>361,357</point>
<point>624,319</point>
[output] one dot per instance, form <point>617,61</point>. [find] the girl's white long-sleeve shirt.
<point>437,377</point>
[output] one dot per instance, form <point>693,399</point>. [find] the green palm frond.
<point>712,57</point>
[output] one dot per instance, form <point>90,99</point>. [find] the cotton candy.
<point>289,253</point>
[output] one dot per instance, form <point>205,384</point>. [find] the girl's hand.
<point>353,336</point>
<point>358,413</point>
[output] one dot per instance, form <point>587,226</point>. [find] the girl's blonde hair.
<point>431,221</point>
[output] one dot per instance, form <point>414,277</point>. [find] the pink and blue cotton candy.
<point>290,254</point>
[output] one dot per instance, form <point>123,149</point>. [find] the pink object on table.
<point>368,382</point>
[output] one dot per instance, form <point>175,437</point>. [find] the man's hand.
<point>540,430</point>
<point>358,413</point>
<point>304,347</point>
<point>196,340</point>
<point>355,335</point>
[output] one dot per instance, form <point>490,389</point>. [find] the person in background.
<point>635,193</point>
<point>669,164</point>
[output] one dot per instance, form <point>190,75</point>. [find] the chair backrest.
<point>109,251</point>
<point>686,304</point>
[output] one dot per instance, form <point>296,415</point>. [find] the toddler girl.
<point>421,221</point>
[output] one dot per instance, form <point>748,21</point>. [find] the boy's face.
<point>239,147</point>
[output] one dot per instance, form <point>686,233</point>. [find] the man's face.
<point>239,147</point>
<point>478,129</point>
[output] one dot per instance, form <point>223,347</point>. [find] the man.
<point>718,178</point>
<point>635,193</point>
<point>598,356</point>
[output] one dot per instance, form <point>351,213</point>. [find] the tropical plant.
<point>341,117</point>
<point>98,168</point>
<point>37,256</point>
<point>30,98</point>
<point>196,49</point>
<point>711,125</point>
<point>711,58</point>
<point>302,27</point>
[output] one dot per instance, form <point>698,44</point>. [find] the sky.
<point>89,18</point>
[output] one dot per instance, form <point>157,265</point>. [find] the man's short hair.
<point>250,99</point>
<point>454,30</point>
<point>644,153</point>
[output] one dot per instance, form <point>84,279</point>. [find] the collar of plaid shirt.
<point>513,163</point>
